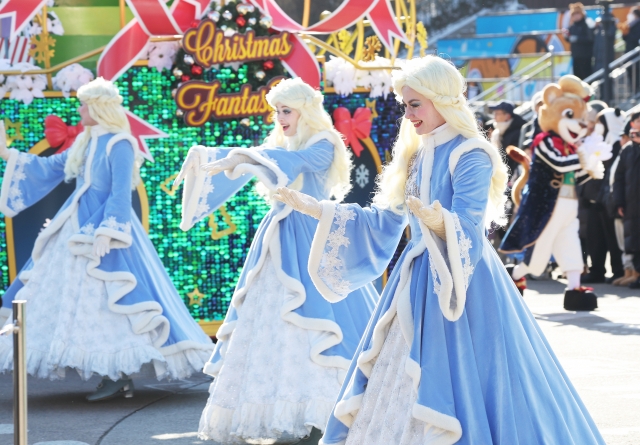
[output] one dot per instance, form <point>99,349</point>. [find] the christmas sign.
<point>210,46</point>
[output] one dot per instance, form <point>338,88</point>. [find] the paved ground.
<point>600,351</point>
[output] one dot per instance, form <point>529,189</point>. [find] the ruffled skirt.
<point>69,325</point>
<point>385,416</point>
<point>268,389</point>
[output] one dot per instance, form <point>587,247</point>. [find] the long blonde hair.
<point>313,119</point>
<point>105,107</point>
<point>440,82</point>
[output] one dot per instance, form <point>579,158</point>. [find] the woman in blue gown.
<point>99,300</point>
<point>452,354</point>
<point>283,350</point>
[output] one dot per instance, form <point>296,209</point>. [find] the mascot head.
<point>564,108</point>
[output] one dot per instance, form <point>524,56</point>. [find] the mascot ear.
<point>550,93</point>
<point>618,112</point>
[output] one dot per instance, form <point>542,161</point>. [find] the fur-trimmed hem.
<point>271,244</point>
<point>439,420</point>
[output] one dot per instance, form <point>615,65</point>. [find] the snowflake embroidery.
<point>362,176</point>
<point>437,286</point>
<point>88,229</point>
<point>112,223</point>
<point>331,266</point>
<point>203,208</point>
<point>15,200</point>
<point>464,244</point>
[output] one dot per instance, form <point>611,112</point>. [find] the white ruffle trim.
<point>129,361</point>
<point>280,422</point>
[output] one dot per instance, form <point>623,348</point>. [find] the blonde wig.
<point>105,107</point>
<point>440,82</point>
<point>296,94</point>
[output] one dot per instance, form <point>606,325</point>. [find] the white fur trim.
<point>122,137</point>
<point>193,185</point>
<point>119,240</point>
<point>439,420</point>
<point>317,250</point>
<point>259,169</point>
<point>6,183</point>
<point>346,410</point>
<point>455,262</point>
<point>472,144</point>
<point>296,298</point>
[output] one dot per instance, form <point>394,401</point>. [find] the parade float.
<point>194,72</point>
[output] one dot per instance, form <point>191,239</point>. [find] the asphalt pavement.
<point>599,350</point>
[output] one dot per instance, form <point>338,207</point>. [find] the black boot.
<point>521,284</point>
<point>582,299</point>
<point>312,439</point>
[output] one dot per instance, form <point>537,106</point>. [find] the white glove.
<point>4,151</point>
<point>300,202</point>
<point>430,216</point>
<point>228,163</point>
<point>589,163</point>
<point>101,245</point>
<point>191,162</point>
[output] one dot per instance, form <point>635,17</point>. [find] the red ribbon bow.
<point>59,134</point>
<point>353,129</point>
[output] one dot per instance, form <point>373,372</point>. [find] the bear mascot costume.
<point>546,223</point>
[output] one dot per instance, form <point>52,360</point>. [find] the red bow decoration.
<point>353,129</point>
<point>59,134</point>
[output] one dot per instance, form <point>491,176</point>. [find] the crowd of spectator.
<point>609,207</point>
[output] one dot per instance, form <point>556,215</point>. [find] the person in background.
<point>598,45</point>
<point>580,35</point>
<point>627,258</point>
<point>584,202</point>
<point>632,40</point>
<point>626,194</point>
<point>600,231</point>
<point>531,129</point>
<point>507,127</point>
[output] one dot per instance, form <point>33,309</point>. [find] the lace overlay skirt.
<point>268,389</point>
<point>385,416</point>
<point>69,324</point>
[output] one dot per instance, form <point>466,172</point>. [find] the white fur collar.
<point>441,135</point>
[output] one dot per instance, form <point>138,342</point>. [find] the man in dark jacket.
<point>626,195</point>
<point>580,35</point>
<point>600,228</point>
<point>507,127</point>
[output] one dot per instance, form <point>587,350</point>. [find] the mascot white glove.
<point>191,162</point>
<point>592,152</point>
<point>101,245</point>
<point>300,202</point>
<point>430,216</point>
<point>228,163</point>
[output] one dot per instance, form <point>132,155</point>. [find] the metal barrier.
<point>18,328</point>
<point>625,77</point>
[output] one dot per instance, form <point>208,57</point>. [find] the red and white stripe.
<point>16,51</point>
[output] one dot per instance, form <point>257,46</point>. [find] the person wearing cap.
<point>580,35</point>
<point>626,197</point>
<point>507,127</point>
